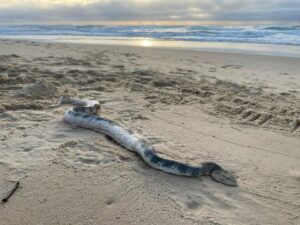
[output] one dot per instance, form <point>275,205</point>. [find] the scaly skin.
<point>81,116</point>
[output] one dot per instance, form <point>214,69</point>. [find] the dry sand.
<point>241,111</point>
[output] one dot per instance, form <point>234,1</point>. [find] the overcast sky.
<point>85,11</point>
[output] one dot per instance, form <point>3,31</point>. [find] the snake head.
<point>224,177</point>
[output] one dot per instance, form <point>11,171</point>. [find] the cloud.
<point>147,10</point>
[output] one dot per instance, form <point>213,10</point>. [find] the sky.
<point>148,11</point>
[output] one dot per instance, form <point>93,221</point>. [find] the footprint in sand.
<point>192,204</point>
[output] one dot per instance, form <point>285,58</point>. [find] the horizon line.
<point>153,23</point>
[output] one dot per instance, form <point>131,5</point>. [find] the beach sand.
<point>240,111</point>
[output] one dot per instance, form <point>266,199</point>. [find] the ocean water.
<point>271,34</point>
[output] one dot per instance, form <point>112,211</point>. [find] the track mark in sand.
<point>270,198</point>
<point>86,160</point>
<point>296,125</point>
<point>125,158</point>
<point>248,147</point>
<point>91,159</point>
<point>21,106</point>
<point>229,66</point>
<point>254,117</point>
<point>110,201</point>
<point>264,118</point>
<point>212,69</point>
<point>183,71</point>
<point>246,114</point>
<point>193,204</point>
<point>70,144</point>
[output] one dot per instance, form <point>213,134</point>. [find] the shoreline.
<point>217,47</point>
<point>240,111</point>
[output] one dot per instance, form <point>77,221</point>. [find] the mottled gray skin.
<point>81,116</point>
